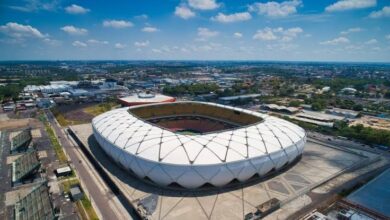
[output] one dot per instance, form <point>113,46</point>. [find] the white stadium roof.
<point>165,156</point>
<point>146,98</point>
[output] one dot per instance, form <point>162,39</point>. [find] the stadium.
<point>195,144</point>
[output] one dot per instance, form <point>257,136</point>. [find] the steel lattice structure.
<point>216,158</point>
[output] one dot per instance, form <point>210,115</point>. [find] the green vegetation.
<point>56,145</point>
<point>100,108</point>
<point>317,103</point>
<point>84,205</point>
<point>192,89</point>
<point>15,86</point>
<point>66,184</point>
<point>93,110</point>
<point>336,84</point>
<point>61,118</point>
<point>366,135</point>
<point>294,103</point>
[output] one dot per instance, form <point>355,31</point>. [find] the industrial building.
<point>342,112</point>
<point>373,197</point>
<point>35,205</point>
<point>280,108</point>
<point>21,141</point>
<point>25,166</point>
<point>230,99</point>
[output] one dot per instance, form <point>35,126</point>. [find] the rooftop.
<point>24,165</point>
<point>35,205</point>
<point>21,140</point>
<point>375,194</point>
<point>146,98</point>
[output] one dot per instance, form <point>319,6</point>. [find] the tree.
<point>387,95</point>
<point>318,106</point>
<point>294,103</point>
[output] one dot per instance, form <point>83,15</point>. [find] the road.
<point>106,203</point>
<point>327,139</point>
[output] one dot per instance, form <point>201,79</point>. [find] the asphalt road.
<point>107,204</point>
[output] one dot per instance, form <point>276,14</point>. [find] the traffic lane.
<point>84,174</point>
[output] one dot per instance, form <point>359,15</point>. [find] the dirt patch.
<point>19,123</point>
<point>74,114</point>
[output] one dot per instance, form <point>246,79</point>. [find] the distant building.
<point>280,108</point>
<point>230,99</point>
<point>325,89</point>
<point>348,90</point>
<point>9,107</point>
<point>145,98</point>
<point>343,112</point>
<point>79,92</point>
<point>45,103</point>
<point>56,88</point>
<point>108,84</point>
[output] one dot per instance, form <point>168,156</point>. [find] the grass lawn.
<point>56,145</point>
<point>100,108</point>
<point>62,120</point>
<point>80,115</point>
<point>84,205</point>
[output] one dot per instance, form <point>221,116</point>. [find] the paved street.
<point>105,202</point>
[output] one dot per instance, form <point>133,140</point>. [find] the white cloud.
<point>203,4</point>
<point>275,9</point>
<point>120,46</point>
<point>36,5</point>
<point>16,30</point>
<point>117,24</point>
<point>376,48</point>
<point>336,41</point>
<point>292,32</point>
<point>142,16</point>
<point>282,46</point>
<point>184,12</point>
<point>204,33</point>
<point>387,37</point>
<point>79,44</point>
<point>237,35</point>
<point>371,41</point>
<point>353,47</point>
<point>93,41</point>
<point>242,16</point>
<point>265,34</point>
<point>141,43</point>
<point>285,35</point>
<point>76,9</point>
<point>52,42</point>
<point>384,12</point>
<point>156,50</point>
<point>351,30</point>
<point>72,30</point>
<point>344,5</point>
<point>150,29</point>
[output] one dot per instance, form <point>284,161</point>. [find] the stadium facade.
<point>194,143</point>
<point>145,98</point>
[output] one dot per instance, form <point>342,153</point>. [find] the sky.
<point>292,30</point>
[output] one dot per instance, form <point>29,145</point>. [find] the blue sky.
<point>295,30</point>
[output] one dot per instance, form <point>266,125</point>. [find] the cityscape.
<point>195,109</point>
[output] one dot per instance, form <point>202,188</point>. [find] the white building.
<point>257,145</point>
